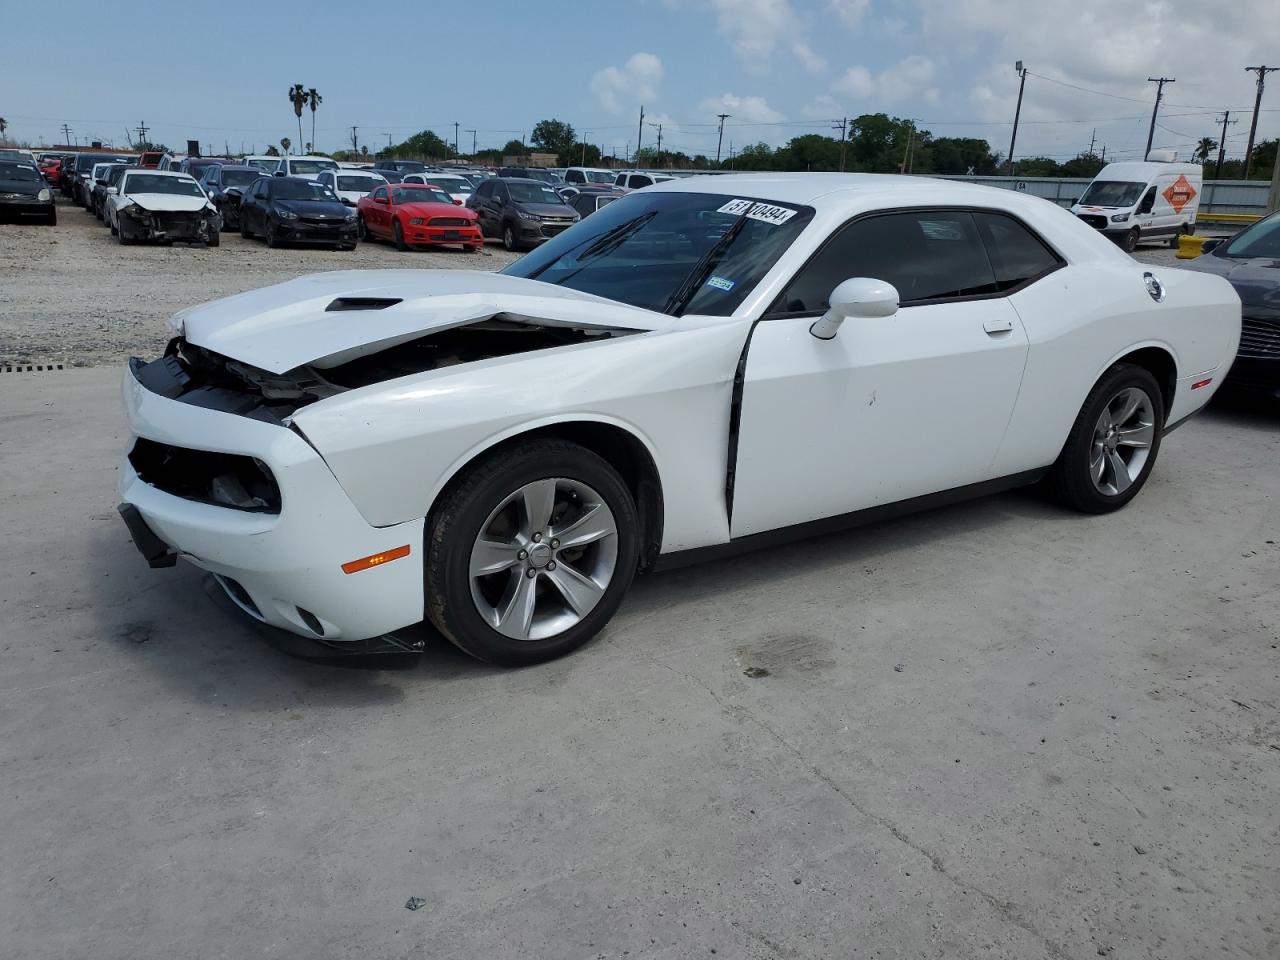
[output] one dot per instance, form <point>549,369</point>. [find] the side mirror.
<point>278,173</point>
<point>112,191</point>
<point>858,297</point>
<point>381,200</point>
<point>1210,245</point>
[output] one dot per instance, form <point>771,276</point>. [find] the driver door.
<point>892,407</point>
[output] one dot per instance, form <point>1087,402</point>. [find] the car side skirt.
<point>846,521</point>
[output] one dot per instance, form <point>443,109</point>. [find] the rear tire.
<point>480,613</point>
<point>1110,452</point>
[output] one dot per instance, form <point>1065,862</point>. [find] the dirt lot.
<point>73,295</point>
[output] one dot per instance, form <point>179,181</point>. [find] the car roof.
<point>808,188</point>
<point>538,183</point>
<point>177,174</point>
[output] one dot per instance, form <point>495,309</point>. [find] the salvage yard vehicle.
<point>162,205</point>
<point>266,164</point>
<point>1250,261</point>
<point>25,193</point>
<point>225,183</point>
<point>458,188</point>
<point>296,210</point>
<point>351,185</point>
<point>412,214</point>
<point>102,185</point>
<point>524,213</point>
<point>76,181</point>
<point>708,365</point>
<point>305,167</point>
<point>630,180</point>
<point>588,175</point>
<point>1135,201</point>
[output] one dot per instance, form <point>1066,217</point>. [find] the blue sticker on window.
<point>720,283</point>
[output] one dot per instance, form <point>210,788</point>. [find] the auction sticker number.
<point>766,212</point>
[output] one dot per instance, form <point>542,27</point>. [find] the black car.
<point>294,210</point>
<point>83,166</point>
<point>400,166</point>
<point>65,167</point>
<point>1250,261</point>
<point>522,212</point>
<point>103,188</point>
<point>529,173</point>
<point>23,192</point>
<point>226,183</point>
<point>587,202</point>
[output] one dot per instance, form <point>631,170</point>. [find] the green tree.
<point>757,156</point>
<point>4,125</point>
<point>425,144</point>
<point>272,151</point>
<point>313,100</point>
<point>1038,167</point>
<point>1204,148</point>
<point>957,155</point>
<point>286,143</point>
<point>1085,165</point>
<point>298,97</point>
<point>584,155</point>
<point>514,148</point>
<point>555,136</point>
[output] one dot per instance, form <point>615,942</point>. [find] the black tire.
<point>52,219</point>
<point>362,232</point>
<point>510,241</point>
<point>114,231</point>
<point>398,231</point>
<point>244,230</point>
<point>270,236</point>
<point>1069,479</point>
<point>456,521</point>
<point>215,239</point>
<point>1129,242</point>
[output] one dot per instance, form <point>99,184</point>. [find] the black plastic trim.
<point>735,423</point>
<point>846,521</point>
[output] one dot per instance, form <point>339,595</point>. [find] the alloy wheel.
<point>543,559</point>
<point>1122,439</point>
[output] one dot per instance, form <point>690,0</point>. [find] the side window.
<point>620,180</point>
<point>380,193</point>
<point>928,255</point>
<point>1018,256</point>
<point>1148,201</point>
<point>484,189</point>
<point>500,192</point>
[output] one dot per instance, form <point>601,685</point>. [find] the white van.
<point>1143,200</point>
<point>306,167</point>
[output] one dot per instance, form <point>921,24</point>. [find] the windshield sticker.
<point>766,212</point>
<point>721,283</point>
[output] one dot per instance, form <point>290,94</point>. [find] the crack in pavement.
<point>1006,911</point>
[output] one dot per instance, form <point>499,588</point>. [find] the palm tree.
<point>298,97</point>
<point>313,98</point>
<point>286,143</point>
<point>4,125</point>
<point>1205,147</point>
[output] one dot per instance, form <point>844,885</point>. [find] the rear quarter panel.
<point>1082,318</point>
<point>393,446</point>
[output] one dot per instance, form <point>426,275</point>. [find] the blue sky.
<point>779,67</point>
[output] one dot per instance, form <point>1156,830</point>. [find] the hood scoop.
<point>362,303</point>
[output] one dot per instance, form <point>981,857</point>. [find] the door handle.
<point>996,327</point>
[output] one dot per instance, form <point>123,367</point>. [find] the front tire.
<point>1113,444</point>
<point>530,553</point>
<point>509,241</point>
<point>1129,242</point>
<point>362,231</point>
<point>215,239</point>
<point>271,236</point>
<point>399,236</point>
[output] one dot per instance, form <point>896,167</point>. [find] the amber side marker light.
<point>376,560</point>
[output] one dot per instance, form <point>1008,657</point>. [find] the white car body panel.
<point>824,427</point>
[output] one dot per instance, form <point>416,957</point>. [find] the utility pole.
<point>388,136</point>
<point>659,126</point>
<point>473,142</point>
<point>1093,138</point>
<point>456,125</point>
<point>841,125</point>
<point>1104,154</point>
<point>720,139</point>
<point>1222,143</point>
<point>66,134</point>
<point>1017,112</point>
<point>143,130</point>
<point>1257,103</point>
<point>906,156</point>
<point>639,136</point>
<point>355,141</point>
<point>1151,130</point>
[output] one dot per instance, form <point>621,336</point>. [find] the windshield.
<point>644,249</point>
<point>1262,239</point>
<point>540,175</point>
<point>1112,193</point>
<point>85,162</point>
<point>416,194</point>
<point>311,166</point>
<point>269,164</point>
<point>453,184</point>
<point>360,184</point>
<point>239,178</point>
<point>532,193</point>
<point>599,176</point>
<point>154,183</point>
<point>286,189</point>
<point>410,166</point>
<point>18,171</point>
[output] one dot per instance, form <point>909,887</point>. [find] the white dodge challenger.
<point>705,365</point>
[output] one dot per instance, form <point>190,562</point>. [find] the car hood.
<point>30,187</point>
<point>548,209</point>
<point>436,209</point>
<point>1256,279</point>
<point>306,321</point>
<point>167,202</point>
<point>314,208</point>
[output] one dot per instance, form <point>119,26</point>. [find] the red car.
<point>151,159</point>
<point>410,214</point>
<point>51,170</point>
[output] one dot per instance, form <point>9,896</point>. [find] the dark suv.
<point>401,166</point>
<point>529,173</point>
<point>522,212</point>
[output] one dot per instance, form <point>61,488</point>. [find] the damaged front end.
<point>193,374</point>
<point>136,222</point>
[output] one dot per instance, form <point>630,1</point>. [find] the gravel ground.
<point>73,295</point>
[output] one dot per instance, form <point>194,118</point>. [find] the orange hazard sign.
<point>1179,193</point>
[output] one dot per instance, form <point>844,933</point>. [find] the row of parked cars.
<point>316,200</point>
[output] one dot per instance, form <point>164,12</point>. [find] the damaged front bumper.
<point>196,226</point>
<point>277,544</point>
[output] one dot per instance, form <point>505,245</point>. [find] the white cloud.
<point>757,29</point>
<point>822,107</point>
<point>742,109</point>
<point>850,11</point>
<point>636,81</point>
<point>812,62</point>
<point>908,79</point>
